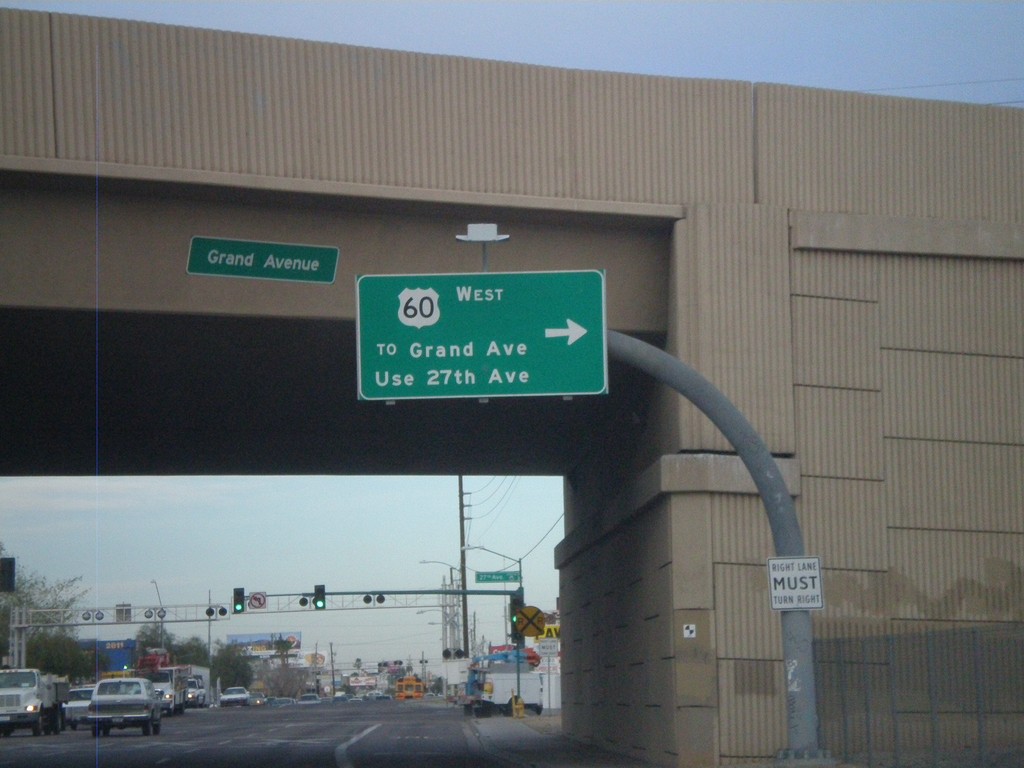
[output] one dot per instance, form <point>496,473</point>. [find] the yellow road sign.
<point>530,621</point>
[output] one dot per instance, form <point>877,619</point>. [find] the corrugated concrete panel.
<point>175,97</point>
<point>695,654</point>
<point>821,150</point>
<point>733,323</point>
<point>840,432</point>
<point>704,473</point>
<point>657,139</point>
<point>865,233</point>
<point>745,625</point>
<point>740,530</point>
<point>855,596</point>
<point>836,343</point>
<point>935,396</point>
<point>845,522</point>
<point>832,275</point>
<point>953,305</point>
<point>189,98</point>
<point>752,719</point>
<point>452,123</point>
<point>826,627</point>
<point>691,538</point>
<point>954,485</point>
<point>26,84</point>
<point>956,575</point>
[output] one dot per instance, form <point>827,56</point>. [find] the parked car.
<point>281,701</point>
<point>124,703</point>
<point>76,709</point>
<point>308,698</point>
<point>236,696</point>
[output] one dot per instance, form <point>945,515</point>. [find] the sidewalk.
<point>537,742</point>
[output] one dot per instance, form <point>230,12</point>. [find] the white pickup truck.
<point>125,702</point>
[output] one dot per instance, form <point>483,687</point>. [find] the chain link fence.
<point>941,699</point>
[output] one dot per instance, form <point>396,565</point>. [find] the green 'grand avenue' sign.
<point>262,261</point>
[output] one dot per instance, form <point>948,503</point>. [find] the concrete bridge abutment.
<point>644,672</point>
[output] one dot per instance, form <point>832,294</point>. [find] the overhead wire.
<point>548,533</point>
<point>962,83</point>
<point>945,85</point>
<point>501,505</point>
<point>491,496</point>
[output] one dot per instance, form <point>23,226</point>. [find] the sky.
<point>200,537</point>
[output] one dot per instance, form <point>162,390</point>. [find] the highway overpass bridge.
<point>848,269</point>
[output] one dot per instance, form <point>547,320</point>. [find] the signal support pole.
<point>797,634</point>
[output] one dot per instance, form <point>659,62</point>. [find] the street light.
<point>159,600</point>
<point>483,234</point>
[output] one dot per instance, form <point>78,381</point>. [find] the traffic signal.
<point>238,602</point>
<point>6,574</point>
<point>319,597</point>
<point>515,605</point>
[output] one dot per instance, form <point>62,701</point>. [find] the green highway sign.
<point>262,261</point>
<point>482,335</point>
<point>490,577</point>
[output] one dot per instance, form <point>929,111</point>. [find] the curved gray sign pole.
<point>797,635</point>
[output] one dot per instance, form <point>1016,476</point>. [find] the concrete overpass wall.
<point>847,268</point>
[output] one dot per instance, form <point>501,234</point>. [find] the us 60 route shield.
<point>481,335</point>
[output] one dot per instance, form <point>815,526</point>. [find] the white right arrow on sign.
<point>573,332</point>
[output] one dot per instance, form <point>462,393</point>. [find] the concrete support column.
<point>639,614</point>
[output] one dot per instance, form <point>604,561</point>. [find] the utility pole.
<point>462,568</point>
<point>334,689</point>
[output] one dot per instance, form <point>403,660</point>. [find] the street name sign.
<point>490,577</point>
<point>795,584</point>
<point>482,335</point>
<point>262,261</point>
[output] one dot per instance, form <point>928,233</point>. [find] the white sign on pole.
<point>547,648</point>
<point>795,583</point>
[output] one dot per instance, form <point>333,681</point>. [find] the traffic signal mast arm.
<point>375,598</point>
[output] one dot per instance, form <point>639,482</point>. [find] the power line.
<point>543,537</point>
<point>946,85</point>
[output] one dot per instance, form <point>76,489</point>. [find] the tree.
<point>285,681</point>
<point>282,649</point>
<point>230,665</point>
<point>59,653</point>
<point>151,636</point>
<point>192,651</point>
<point>34,591</point>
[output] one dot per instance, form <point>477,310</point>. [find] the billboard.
<point>265,645</point>
<point>111,655</point>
